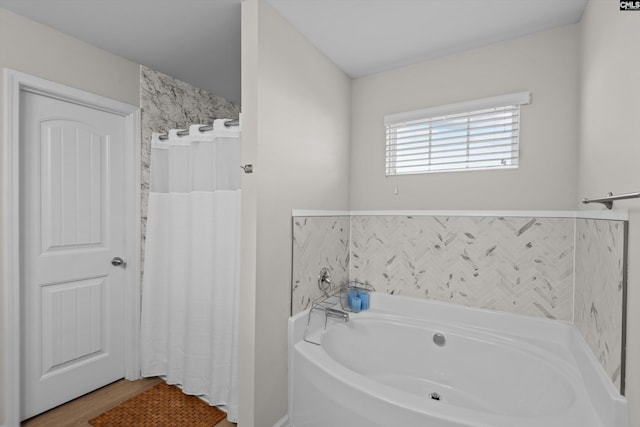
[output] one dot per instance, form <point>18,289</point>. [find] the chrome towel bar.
<point>609,198</point>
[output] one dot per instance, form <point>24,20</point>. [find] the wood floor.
<point>78,412</point>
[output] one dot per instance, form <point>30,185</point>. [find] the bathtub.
<point>410,362</point>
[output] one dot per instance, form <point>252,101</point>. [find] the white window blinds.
<point>478,134</point>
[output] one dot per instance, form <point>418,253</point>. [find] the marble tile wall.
<point>518,265</point>
<point>599,289</point>
<point>168,103</point>
<point>318,242</point>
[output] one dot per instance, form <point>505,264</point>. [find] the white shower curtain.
<point>191,269</point>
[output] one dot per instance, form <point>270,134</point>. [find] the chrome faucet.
<point>324,281</point>
<point>334,312</point>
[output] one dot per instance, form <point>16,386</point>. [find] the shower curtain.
<point>191,269</point>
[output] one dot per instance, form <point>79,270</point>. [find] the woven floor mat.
<point>161,406</point>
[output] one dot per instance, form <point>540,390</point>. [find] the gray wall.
<point>296,118</point>
<point>544,63</point>
<point>43,52</point>
<point>610,143</point>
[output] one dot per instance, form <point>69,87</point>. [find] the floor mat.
<point>161,406</point>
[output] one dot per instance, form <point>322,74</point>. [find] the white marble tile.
<point>599,290</point>
<point>317,242</point>
<point>519,265</point>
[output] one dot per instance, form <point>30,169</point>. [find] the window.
<point>472,135</point>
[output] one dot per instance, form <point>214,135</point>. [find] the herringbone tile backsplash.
<point>519,265</point>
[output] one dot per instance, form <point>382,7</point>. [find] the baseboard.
<point>282,422</point>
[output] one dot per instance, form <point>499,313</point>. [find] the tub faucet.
<point>334,312</point>
<point>324,281</point>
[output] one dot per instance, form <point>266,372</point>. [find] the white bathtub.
<point>383,368</point>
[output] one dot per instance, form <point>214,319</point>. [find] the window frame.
<point>448,117</point>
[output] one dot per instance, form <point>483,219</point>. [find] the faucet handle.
<point>324,281</point>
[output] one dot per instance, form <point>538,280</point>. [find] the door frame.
<point>15,82</point>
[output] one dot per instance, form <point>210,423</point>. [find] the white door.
<point>72,227</point>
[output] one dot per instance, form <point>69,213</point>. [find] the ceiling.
<point>368,36</point>
<point>198,41</point>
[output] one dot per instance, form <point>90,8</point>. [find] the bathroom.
<point>580,76</point>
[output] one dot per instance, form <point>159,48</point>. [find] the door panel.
<point>72,208</point>
<point>74,160</point>
<point>72,315</point>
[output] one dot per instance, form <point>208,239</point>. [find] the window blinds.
<point>478,134</point>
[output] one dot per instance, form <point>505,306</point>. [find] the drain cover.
<point>435,396</point>
<point>439,339</point>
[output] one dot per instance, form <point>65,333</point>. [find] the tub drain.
<point>435,396</point>
<point>439,339</point>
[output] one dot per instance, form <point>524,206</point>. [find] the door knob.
<point>117,262</point>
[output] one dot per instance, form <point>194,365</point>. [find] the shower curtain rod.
<point>228,123</point>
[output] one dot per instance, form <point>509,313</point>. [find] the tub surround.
<point>568,267</point>
<point>599,290</point>
<point>450,258</point>
<point>325,243</point>
<point>518,265</point>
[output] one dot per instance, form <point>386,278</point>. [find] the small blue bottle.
<point>352,293</point>
<point>364,300</point>
<point>356,304</point>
